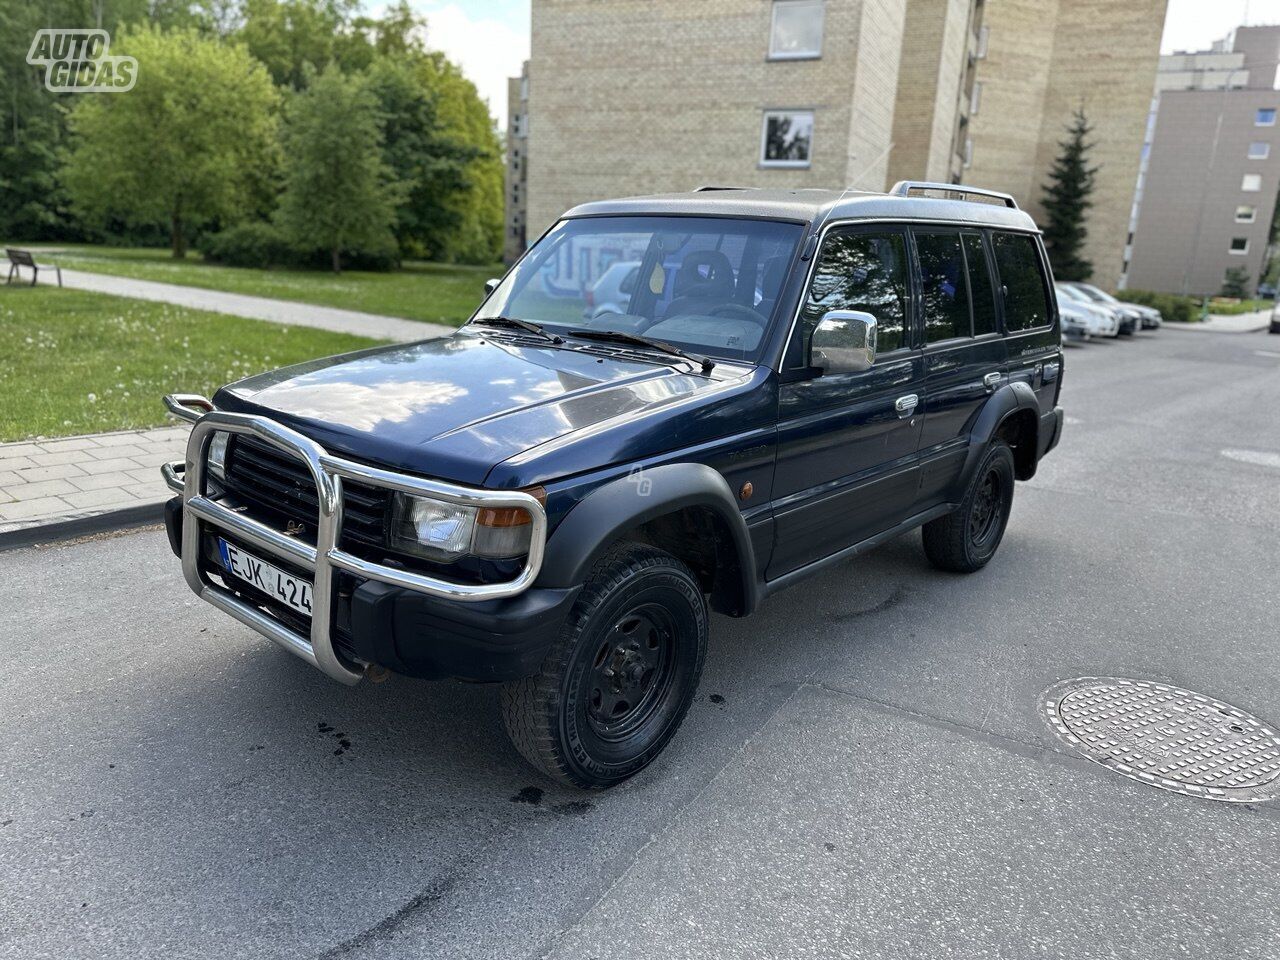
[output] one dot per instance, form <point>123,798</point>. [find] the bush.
<point>250,245</point>
<point>1172,307</point>
<point>263,245</point>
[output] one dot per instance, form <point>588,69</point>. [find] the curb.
<point>138,515</point>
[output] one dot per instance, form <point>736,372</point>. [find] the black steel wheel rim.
<point>984,516</point>
<point>631,671</point>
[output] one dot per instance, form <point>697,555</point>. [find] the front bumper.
<point>198,514</point>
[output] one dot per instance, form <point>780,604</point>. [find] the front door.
<point>847,441</point>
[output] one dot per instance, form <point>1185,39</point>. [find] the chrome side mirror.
<point>491,285</point>
<point>844,342</point>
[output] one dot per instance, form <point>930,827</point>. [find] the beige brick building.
<point>1041,60</point>
<point>641,96</point>
<point>517,186</point>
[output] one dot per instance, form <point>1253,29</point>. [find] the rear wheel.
<point>615,686</point>
<point>966,539</point>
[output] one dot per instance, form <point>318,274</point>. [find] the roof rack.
<point>952,191</point>
<point>714,186</point>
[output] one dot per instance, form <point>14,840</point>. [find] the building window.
<point>1240,245</point>
<point>1251,183</point>
<point>1246,214</point>
<point>1259,150</point>
<point>1265,117</point>
<point>968,151</point>
<point>984,34</point>
<point>975,98</point>
<point>786,139</point>
<point>796,31</point>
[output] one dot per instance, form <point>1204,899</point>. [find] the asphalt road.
<point>864,773</point>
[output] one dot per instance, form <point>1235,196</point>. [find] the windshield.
<point>1096,295</point>
<point>703,284</point>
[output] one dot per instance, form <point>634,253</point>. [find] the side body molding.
<point>624,504</point>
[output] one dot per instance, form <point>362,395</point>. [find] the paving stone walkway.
<point>47,481</point>
<point>256,308</point>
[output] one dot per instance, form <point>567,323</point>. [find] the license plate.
<point>292,591</point>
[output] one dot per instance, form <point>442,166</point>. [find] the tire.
<point>615,686</point>
<point>966,539</point>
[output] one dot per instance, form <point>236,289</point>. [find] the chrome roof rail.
<point>953,191</point>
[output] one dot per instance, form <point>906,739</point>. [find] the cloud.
<point>488,40</point>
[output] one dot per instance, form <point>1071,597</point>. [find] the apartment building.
<point>517,179</point>
<point>1211,168</point>
<point>644,96</point>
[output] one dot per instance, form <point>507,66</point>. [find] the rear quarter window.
<point>1026,294</point>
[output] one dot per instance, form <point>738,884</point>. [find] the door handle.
<point>991,380</point>
<point>906,405</point>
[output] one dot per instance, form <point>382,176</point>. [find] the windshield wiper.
<point>526,325</point>
<point>620,336</point>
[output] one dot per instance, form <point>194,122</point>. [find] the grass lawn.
<point>434,292</point>
<point>77,362</point>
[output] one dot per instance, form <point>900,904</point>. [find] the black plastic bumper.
<point>421,636</point>
<point>1051,430</point>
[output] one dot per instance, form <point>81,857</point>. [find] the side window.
<point>861,271</point>
<point>981,292</point>
<point>1025,301</point>
<point>944,286</point>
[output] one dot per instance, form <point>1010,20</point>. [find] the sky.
<point>489,39</point>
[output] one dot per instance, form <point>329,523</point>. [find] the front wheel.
<point>614,687</point>
<point>966,539</point>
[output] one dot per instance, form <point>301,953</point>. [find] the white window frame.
<point>984,38</point>
<point>1250,217</point>
<point>1231,247</point>
<point>1257,122</point>
<point>975,98</point>
<point>1251,178</point>
<point>821,7</point>
<point>1266,150</point>
<point>764,139</point>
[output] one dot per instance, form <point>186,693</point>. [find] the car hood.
<point>456,407</point>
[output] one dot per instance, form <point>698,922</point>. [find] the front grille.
<point>277,488</point>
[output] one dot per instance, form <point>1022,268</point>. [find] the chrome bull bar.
<point>201,512</point>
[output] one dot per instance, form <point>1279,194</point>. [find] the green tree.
<point>1236,283</point>
<point>1066,201</point>
<point>296,38</point>
<point>194,141</point>
<point>339,192</point>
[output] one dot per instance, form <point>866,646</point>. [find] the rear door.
<point>964,352</point>
<point>1033,339</point>
<point>847,441</point>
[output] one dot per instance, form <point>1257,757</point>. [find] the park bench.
<point>23,258</point>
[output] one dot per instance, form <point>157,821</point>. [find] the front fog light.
<point>431,528</point>
<point>218,455</point>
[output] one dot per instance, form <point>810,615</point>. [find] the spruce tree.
<point>1065,200</point>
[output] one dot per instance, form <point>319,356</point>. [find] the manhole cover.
<point>1167,737</point>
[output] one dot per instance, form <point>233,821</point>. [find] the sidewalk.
<point>1220,323</point>
<point>49,481</point>
<point>255,308</point>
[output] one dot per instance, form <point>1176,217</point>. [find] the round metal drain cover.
<point>1168,737</point>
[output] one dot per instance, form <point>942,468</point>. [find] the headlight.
<point>218,455</point>
<point>442,531</point>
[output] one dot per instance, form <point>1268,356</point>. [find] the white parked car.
<point>612,292</point>
<point>1098,320</point>
<point>1135,314</point>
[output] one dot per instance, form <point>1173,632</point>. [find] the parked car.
<point>612,292</point>
<point>1117,324</point>
<point>559,504</point>
<point>1275,319</point>
<point>1134,315</point>
<point>1097,320</point>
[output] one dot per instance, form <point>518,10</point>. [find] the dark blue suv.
<point>556,500</point>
